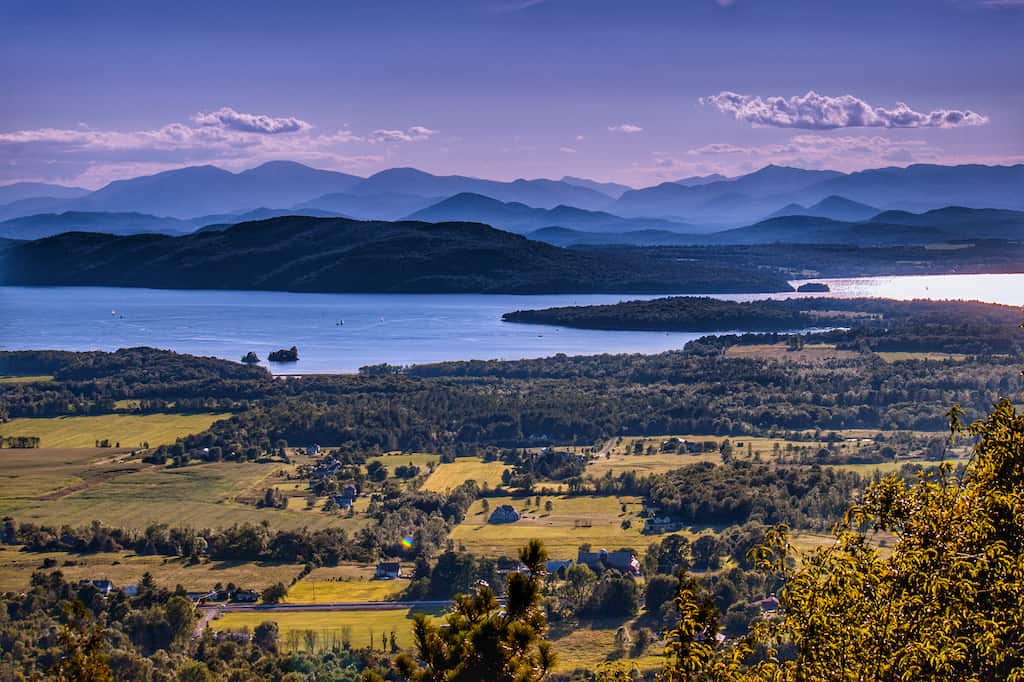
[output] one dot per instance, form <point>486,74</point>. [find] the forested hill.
<point>306,254</point>
<point>699,314</point>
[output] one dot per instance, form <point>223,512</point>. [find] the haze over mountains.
<point>186,199</point>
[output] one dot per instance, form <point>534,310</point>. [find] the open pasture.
<point>65,488</point>
<point>358,628</point>
<point>130,430</point>
<point>451,475</point>
<point>318,590</point>
<point>25,379</point>
<point>572,521</point>
<point>811,352</point>
<point>126,568</point>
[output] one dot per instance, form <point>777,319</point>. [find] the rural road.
<point>607,447</point>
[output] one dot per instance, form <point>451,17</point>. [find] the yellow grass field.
<point>812,352</point>
<point>76,486</point>
<point>558,529</point>
<point>126,568</point>
<point>896,356</point>
<point>593,645</point>
<point>308,591</point>
<point>357,627</point>
<point>394,459</point>
<point>26,379</point>
<point>448,476</point>
<point>130,430</point>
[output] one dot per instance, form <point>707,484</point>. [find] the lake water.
<point>398,329</point>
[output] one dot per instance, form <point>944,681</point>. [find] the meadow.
<point>26,379</point>
<point>126,568</point>
<point>77,486</point>
<point>129,430</point>
<point>563,529</point>
<point>358,628</point>
<point>453,474</point>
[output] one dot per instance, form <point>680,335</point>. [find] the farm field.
<point>356,627</point>
<point>394,459</point>
<point>590,647</point>
<point>75,487</point>
<point>130,430</point>
<point>25,379</point>
<point>451,475</point>
<point>558,528</point>
<point>812,352</point>
<point>318,591</point>
<point>126,568</point>
<point>896,356</point>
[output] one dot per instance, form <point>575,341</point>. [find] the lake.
<point>399,329</point>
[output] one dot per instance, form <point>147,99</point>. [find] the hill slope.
<point>339,255</point>
<point>518,217</point>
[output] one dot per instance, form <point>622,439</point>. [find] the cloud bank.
<point>226,137</point>
<point>822,112</point>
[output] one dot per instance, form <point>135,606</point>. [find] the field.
<point>559,528</point>
<point>896,356</point>
<point>812,352</point>
<point>359,628</point>
<point>126,568</point>
<point>130,430</point>
<point>76,486</point>
<point>26,379</point>
<point>593,645</point>
<point>447,476</point>
<point>394,459</point>
<point>318,591</point>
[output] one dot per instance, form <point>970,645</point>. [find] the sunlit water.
<point>398,329</point>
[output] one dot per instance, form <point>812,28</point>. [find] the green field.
<point>357,627</point>
<point>130,430</point>
<point>126,568</point>
<point>76,486</point>
<point>561,529</point>
<point>897,356</point>
<point>448,476</point>
<point>394,459</point>
<point>26,379</point>
<point>593,645</point>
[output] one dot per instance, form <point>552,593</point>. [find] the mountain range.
<point>691,205</point>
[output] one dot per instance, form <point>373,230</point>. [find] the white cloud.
<point>822,112</point>
<point>579,138</point>
<point>225,137</point>
<point>227,117</point>
<point>413,134</point>
<point>567,150</point>
<point>625,128</point>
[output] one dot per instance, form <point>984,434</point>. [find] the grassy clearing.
<point>309,591</point>
<point>126,568</point>
<point>75,487</point>
<point>559,528</point>
<point>447,476</point>
<point>130,430</point>
<point>896,356</point>
<point>594,644</point>
<point>359,628</point>
<point>394,459</point>
<point>25,379</point>
<point>645,465</point>
<point>812,352</point>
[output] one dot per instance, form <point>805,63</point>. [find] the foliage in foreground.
<point>944,605</point>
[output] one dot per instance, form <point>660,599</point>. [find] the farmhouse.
<point>555,565</point>
<point>506,565</point>
<point>104,586</point>
<point>388,570</point>
<point>313,450</point>
<point>661,524</point>
<point>622,560</point>
<point>504,514</point>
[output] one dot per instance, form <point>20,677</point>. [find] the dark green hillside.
<point>297,253</point>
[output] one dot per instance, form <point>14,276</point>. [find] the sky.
<point>636,92</point>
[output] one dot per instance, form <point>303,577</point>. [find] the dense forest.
<point>339,255</point>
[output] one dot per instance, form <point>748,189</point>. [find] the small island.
<point>813,287</point>
<point>284,355</point>
<point>250,358</point>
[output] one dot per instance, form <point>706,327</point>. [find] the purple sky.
<point>635,92</point>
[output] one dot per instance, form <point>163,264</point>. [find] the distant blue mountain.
<point>518,217</point>
<point>536,193</point>
<point>32,190</point>
<point>612,189</point>
<point>385,206</point>
<point>834,207</point>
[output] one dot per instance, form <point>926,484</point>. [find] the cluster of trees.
<point>736,493</point>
